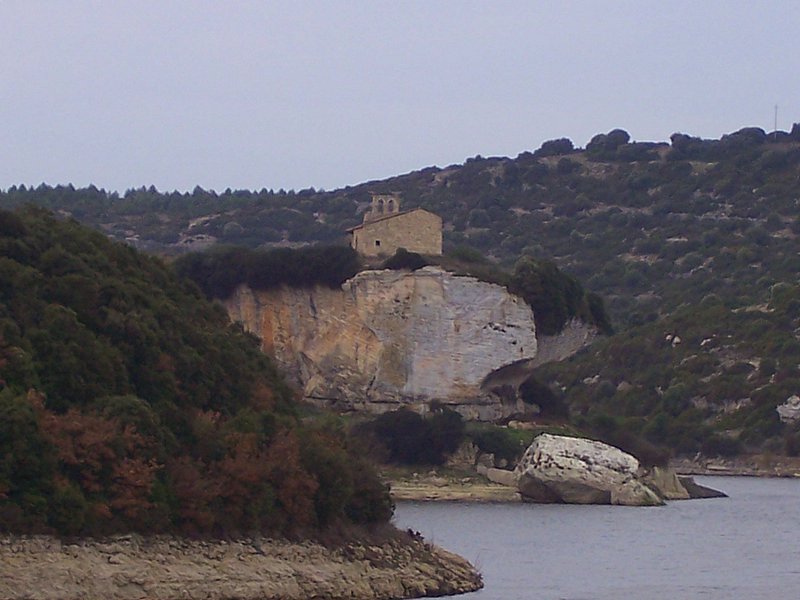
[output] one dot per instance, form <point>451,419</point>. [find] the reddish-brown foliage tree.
<point>263,398</point>
<point>103,458</point>
<point>252,486</point>
<point>245,483</point>
<point>195,492</point>
<point>295,487</point>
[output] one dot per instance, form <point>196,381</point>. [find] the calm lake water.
<point>744,547</point>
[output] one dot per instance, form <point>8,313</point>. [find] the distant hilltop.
<point>633,220</point>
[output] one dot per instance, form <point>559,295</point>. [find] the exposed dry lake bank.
<point>448,485</point>
<point>761,465</point>
<point>133,567</point>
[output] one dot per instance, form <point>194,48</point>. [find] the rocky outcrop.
<point>550,348</point>
<point>388,339</point>
<point>789,411</point>
<point>575,335</point>
<point>695,490</point>
<point>667,483</point>
<point>501,476</point>
<point>163,568</point>
<point>579,471</point>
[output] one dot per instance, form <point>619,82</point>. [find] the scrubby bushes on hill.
<point>550,404</point>
<point>555,297</point>
<point>128,402</point>
<point>404,437</point>
<point>403,259</point>
<point>220,270</point>
<point>707,380</point>
<point>652,229</point>
<point>409,439</point>
<point>501,442</point>
<point>614,222</point>
<point>558,147</point>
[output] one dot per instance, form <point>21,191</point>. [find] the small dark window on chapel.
<point>377,242</point>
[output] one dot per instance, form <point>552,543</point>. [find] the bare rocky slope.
<point>388,339</point>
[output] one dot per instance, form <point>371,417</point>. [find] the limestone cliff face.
<point>392,338</point>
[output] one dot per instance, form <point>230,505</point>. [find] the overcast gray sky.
<point>294,94</point>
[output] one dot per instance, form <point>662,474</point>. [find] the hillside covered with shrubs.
<point>689,238</point>
<point>219,270</point>
<point>706,379</point>
<point>646,225</point>
<point>129,403</point>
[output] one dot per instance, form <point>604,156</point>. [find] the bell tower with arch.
<point>383,205</point>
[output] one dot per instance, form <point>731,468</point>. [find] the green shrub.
<point>617,432</point>
<point>498,441</point>
<point>792,442</point>
<point>447,427</point>
<point>370,501</point>
<point>467,255</point>
<point>557,147</point>
<point>411,439</point>
<point>533,392</point>
<point>220,270</point>
<point>717,445</point>
<point>67,510</point>
<point>768,366</point>
<point>402,259</point>
<point>554,297</point>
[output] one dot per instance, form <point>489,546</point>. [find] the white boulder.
<point>573,470</point>
<point>789,411</point>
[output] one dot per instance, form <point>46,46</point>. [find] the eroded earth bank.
<point>165,568</point>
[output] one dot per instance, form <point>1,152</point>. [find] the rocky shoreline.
<point>134,567</point>
<point>749,466</point>
<point>473,487</point>
<point>433,488</point>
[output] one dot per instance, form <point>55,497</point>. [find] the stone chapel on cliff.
<point>386,228</point>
